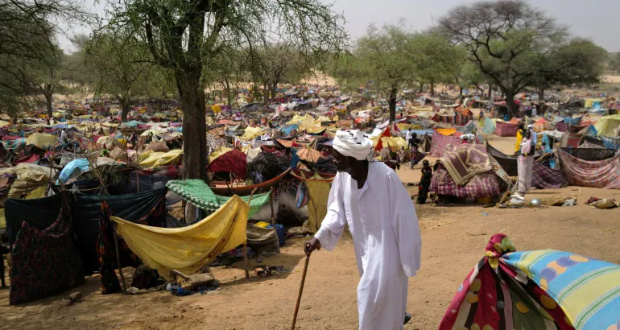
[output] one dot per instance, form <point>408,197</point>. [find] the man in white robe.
<point>371,199</point>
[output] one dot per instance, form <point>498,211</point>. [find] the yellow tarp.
<point>251,133</point>
<point>42,140</point>
<point>606,125</point>
<point>392,142</point>
<point>446,131</point>
<point>216,108</point>
<point>29,177</point>
<point>218,152</point>
<point>155,159</point>
<point>191,248</point>
<point>4,123</point>
<point>317,203</point>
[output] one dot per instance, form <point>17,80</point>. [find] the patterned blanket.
<point>543,289</point>
<point>482,185</point>
<point>544,177</point>
<point>465,162</point>
<point>440,143</point>
<point>598,174</point>
<point>200,194</point>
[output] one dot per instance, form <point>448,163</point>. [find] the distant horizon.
<point>595,21</point>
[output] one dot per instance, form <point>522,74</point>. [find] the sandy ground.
<point>454,238</point>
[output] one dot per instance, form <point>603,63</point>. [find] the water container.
<point>281,233</point>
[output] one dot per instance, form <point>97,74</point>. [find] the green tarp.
<point>200,194</point>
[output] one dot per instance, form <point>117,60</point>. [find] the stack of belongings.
<point>468,172</point>
<point>541,289</point>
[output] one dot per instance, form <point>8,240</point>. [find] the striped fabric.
<point>588,290</point>
<point>542,289</point>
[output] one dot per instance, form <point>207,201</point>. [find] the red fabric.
<point>30,159</point>
<point>386,133</point>
<point>233,161</point>
<point>482,185</point>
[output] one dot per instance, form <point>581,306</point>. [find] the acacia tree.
<point>435,59</point>
<point>120,65</point>
<point>181,34</point>
<point>273,64</point>
<point>27,42</point>
<point>569,62</point>
<point>382,59</point>
<point>502,38</point>
<point>228,69</point>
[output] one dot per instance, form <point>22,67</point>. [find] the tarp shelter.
<point>44,258</point>
<point>598,174</point>
<point>441,142</point>
<point>190,248</point>
<point>29,177</point>
<point>233,161</point>
<point>542,289</point>
<point>42,140</point>
<point>489,126</point>
<point>608,126</point>
<point>150,159</point>
<point>200,194</point>
<point>318,193</point>
<point>506,129</point>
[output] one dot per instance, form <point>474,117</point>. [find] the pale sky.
<point>598,20</point>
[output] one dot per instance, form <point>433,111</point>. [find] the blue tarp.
<point>611,142</point>
<point>80,164</point>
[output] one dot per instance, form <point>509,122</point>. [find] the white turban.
<point>354,144</point>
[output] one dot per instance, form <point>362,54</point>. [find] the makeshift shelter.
<point>233,161</point>
<point>608,126</point>
<point>44,258</point>
<point>190,248</point>
<point>503,128</point>
<point>599,173</point>
<point>544,177</point>
<point>318,194</point>
<point>442,142</point>
<point>466,172</point>
<point>42,140</point>
<point>28,178</point>
<point>200,194</point>
<point>151,159</point>
<point>543,289</point>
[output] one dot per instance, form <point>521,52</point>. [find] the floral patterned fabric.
<point>45,262</point>
<point>482,185</point>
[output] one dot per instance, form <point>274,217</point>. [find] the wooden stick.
<point>273,220</point>
<point>301,290</point>
<point>118,261</point>
<point>245,245</point>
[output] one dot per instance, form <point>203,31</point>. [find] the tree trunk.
<point>392,104</point>
<point>124,108</point>
<point>194,124</point>
<point>48,102</point>
<point>274,89</point>
<point>541,102</point>
<point>490,90</point>
<point>421,88</point>
<point>460,91</point>
<point>266,94</point>
<point>432,88</point>
<point>513,108</point>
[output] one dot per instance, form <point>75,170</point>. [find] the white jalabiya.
<point>386,237</point>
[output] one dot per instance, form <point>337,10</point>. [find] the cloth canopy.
<point>42,140</point>
<point>217,153</point>
<point>44,259</point>
<point>543,289</point>
<point>200,194</point>
<point>544,177</point>
<point>190,248</point>
<point>152,159</point>
<point>233,161</point>
<point>506,129</point>
<point>318,191</point>
<point>608,125</point>
<point>598,174</point>
<point>440,143</point>
<point>465,162</point>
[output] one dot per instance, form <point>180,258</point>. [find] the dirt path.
<point>453,237</point>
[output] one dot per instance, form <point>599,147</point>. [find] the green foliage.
<point>614,62</point>
<point>503,38</point>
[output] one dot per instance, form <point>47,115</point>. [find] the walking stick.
<point>301,289</point>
